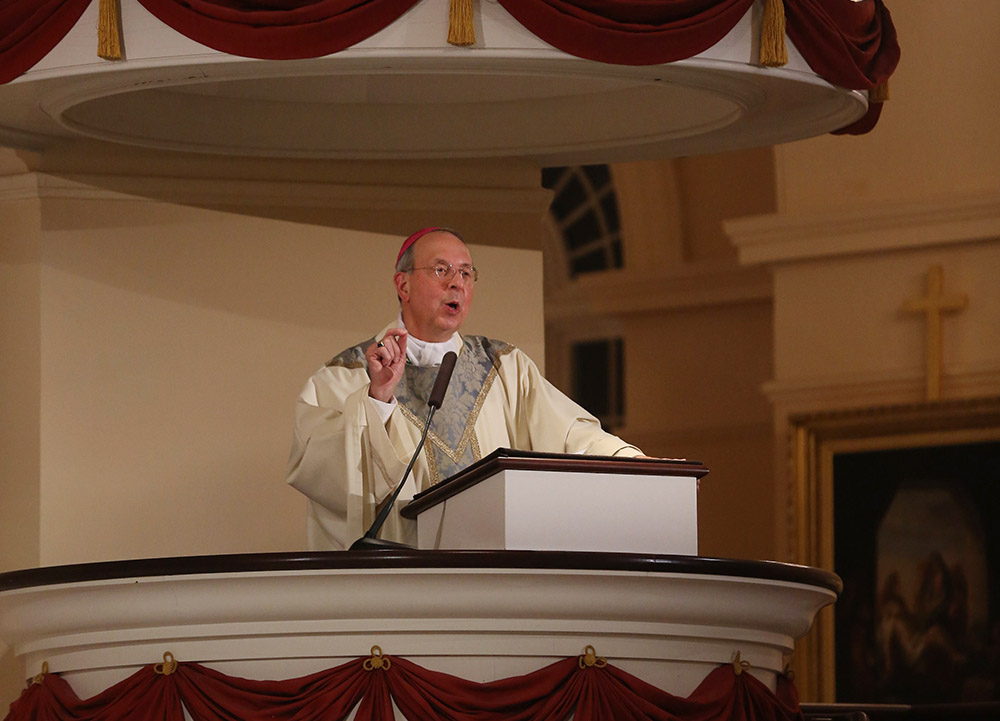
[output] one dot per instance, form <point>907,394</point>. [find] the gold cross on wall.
<point>933,306</point>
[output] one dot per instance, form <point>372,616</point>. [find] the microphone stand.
<point>370,541</point>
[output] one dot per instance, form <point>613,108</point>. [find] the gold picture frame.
<point>814,441</point>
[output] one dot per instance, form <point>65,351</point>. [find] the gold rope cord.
<point>168,666</point>
<point>591,659</point>
<point>377,660</point>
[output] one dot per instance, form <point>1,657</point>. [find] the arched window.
<point>584,211</point>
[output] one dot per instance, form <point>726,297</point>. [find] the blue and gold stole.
<point>451,443</point>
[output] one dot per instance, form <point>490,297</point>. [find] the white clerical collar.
<point>426,353</point>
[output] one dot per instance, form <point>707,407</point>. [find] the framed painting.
<point>902,502</point>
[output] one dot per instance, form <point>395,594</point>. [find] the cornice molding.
<point>854,389</point>
<point>236,193</point>
<point>620,293</point>
<point>19,187</point>
<point>14,138</point>
<point>783,238</point>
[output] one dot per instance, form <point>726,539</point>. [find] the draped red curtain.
<point>629,32</point>
<point>591,693</point>
<point>330,694</point>
<point>278,29</point>
<point>850,44</point>
<point>141,697</point>
<point>29,29</point>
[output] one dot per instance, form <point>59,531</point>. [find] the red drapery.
<point>850,44</point>
<point>29,29</point>
<point>629,32</point>
<point>140,697</point>
<point>278,29</point>
<point>592,693</point>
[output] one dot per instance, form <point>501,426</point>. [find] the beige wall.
<point>19,385</point>
<point>840,321</point>
<point>937,136</point>
<point>19,406</point>
<point>694,379</point>
<point>712,188</point>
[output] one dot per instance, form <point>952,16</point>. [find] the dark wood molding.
<point>416,559</point>
<point>975,711</point>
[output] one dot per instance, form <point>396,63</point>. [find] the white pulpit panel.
<point>608,505</point>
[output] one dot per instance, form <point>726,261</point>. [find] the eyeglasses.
<point>446,271</point>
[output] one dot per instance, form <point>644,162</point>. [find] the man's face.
<point>433,309</point>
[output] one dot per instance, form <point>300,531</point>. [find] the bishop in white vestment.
<point>360,417</point>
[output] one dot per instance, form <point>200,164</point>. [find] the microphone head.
<point>442,380</point>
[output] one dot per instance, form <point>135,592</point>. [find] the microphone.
<point>370,541</point>
<point>443,379</point>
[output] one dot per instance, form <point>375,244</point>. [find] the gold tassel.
<point>461,27</point>
<point>109,30</point>
<point>773,53</point>
<point>880,93</point>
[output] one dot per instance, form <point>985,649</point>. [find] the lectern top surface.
<point>503,459</point>
<point>513,458</point>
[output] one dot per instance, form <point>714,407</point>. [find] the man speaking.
<point>359,419</point>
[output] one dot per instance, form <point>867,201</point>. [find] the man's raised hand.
<point>386,360</point>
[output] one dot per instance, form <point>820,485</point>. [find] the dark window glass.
<point>598,175</point>
<point>550,176</point>
<point>592,261</point>
<point>584,210</point>
<point>609,206</point>
<point>585,231</point>
<point>568,199</point>
<point>598,381</point>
